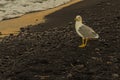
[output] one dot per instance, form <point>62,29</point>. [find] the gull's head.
<point>78,18</point>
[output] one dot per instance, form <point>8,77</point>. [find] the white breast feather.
<point>77,26</point>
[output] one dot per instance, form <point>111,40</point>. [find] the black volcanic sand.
<point>50,51</point>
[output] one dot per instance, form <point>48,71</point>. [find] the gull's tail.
<point>97,36</point>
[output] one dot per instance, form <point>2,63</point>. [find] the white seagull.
<point>84,31</point>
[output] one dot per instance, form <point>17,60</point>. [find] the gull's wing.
<point>87,32</point>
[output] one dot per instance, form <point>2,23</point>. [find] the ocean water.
<point>15,8</point>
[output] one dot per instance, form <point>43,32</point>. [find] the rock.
<point>108,3</point>
<point>109,62</point>
<point>11,34</point>
<point>0,33</point>
<point>115,75</point>
<point>69,75</point>
<point>70,23</point>
<point>80,66</point>
<point>36,19</point>
<point>22,29</point>
<point>97,49</point>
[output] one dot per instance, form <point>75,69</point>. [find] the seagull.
<point>84,31</point>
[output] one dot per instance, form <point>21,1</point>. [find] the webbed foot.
<point>82,46</point>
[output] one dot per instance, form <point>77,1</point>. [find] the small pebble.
<point>22,29</point>
<point>0,33</point>
<point>69,75</point>
<point>108,3</point>
<point>108,62</point>
<point>115,75</point>
<point>97,49</point>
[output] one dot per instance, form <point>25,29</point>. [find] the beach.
<point>32,18</point>
<point>49,51</point>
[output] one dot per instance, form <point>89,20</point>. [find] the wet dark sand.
<point>50,51</point>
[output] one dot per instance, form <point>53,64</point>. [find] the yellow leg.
<point>83,43</point>
<point>86,40</point>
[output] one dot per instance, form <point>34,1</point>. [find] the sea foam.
<point>15,8</point>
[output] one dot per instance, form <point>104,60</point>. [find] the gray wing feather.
<point>87,32</point>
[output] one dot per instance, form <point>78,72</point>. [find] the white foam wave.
<point>15,8</point>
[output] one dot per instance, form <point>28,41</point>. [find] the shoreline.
<point>34,18</point>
